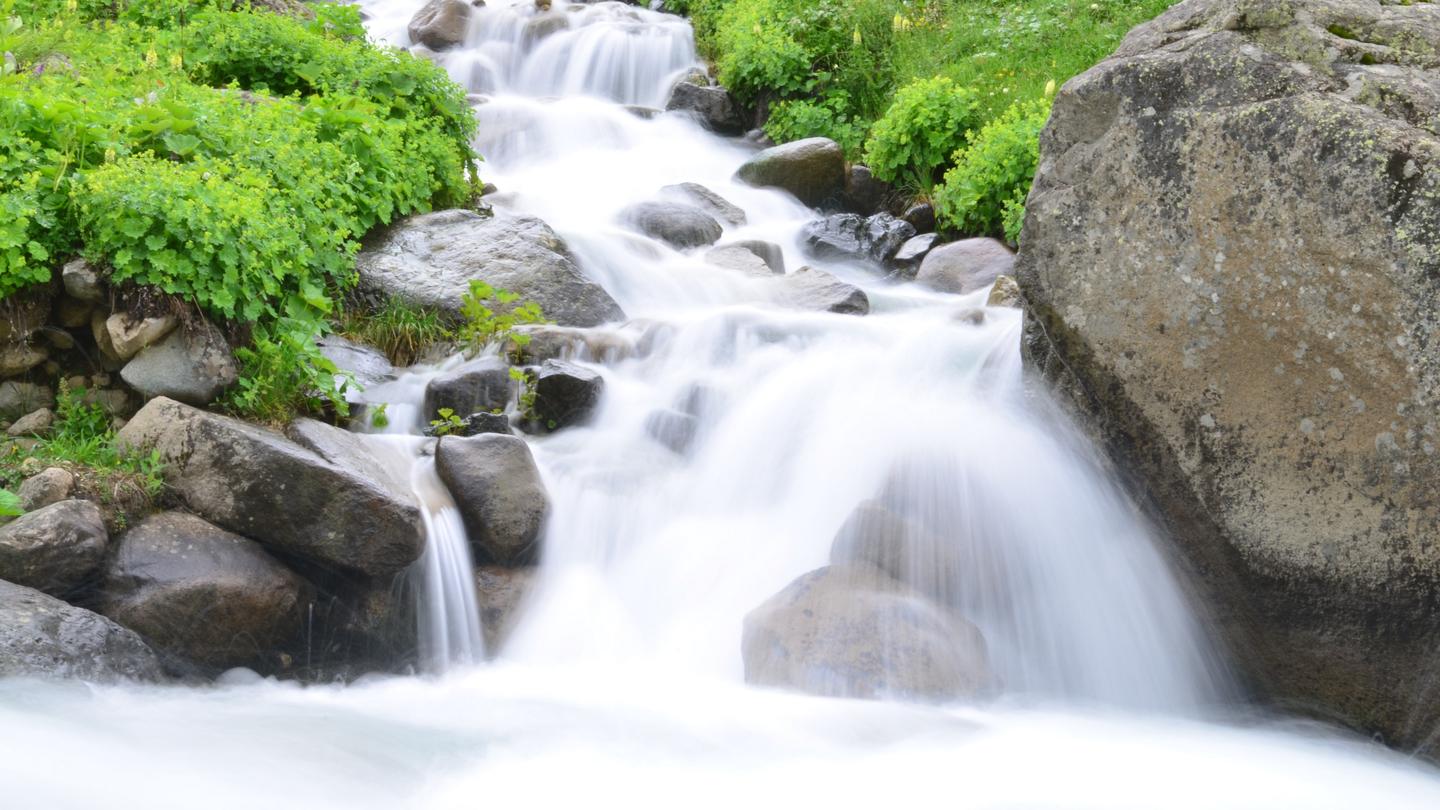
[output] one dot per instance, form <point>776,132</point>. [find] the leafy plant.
<point>928,121</point>
<point>447,423</point>
<point>491,315</point>
<point>10,505</point>
<point>985,191</point>
<point>379,419</point>
<point>285,373</point>
<point>403,332</point>
<point>809,118</point>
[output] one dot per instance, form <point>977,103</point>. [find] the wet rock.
<point>812,169</point>
<point>808,288</point>
<point>674,429</point>
<point>1005,293</point>
<point>20,398</point>
<point>865,194</point>
<point>205,594</point>
<point>50,485</point>
<point>740,259</point>
<point>440,24</point>
<point>430,259</point>
<point>349,451</point>
<point>708,201</point>
<point>474,424</point>
<point>497,487</point>
<point>82,281</point>
<point>854,632</point>
<point>566,394</point>
<point>907,259</point>
<point>35,423</point>
<point>253,482</point>
<point>713,107</point>
<point>542,26</point>
<point>501,593</point>
<point>1230,266</point>
<point>850,237</point>
<point>193,365</point>
<point>366,364</point>
<point>965,266</point>
<point>54,548</point>
<point>678,225</point>
<point>922,216</point>
<point>481,386</point>
<point>40,636</point>
<point>549,342</point>
<point>769,252</point>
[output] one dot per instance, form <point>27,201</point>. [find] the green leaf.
<point>180,144</point>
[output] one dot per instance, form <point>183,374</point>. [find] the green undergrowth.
<point>908,84</point>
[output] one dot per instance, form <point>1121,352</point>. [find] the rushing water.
<point>623,678</point>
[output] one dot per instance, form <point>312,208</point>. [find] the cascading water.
<point>624,676</point>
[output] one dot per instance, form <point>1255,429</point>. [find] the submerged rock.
<point>678,225</point>
<point>258,484</point>
<point>808,288</point>
<point>1230,262</point>
<point>500,592</point>
<point>740,259</point>
<point>429,260</point>
<point>854,632</point>
<point>54,548</point>
<point>205,594</point>
<point>40,636</point>
<point>708,201</point>
<point>497,487</point>
<point>812,169</point>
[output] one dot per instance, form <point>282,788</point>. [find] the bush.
<point>928,121</point>
<point>803,118</point>
<point>985,191</point>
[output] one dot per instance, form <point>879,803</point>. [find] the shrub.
<point>926,124</point>
<point>284,373</point>
<point>804,118</point>
<point>993,173</point>
<point>83,439</point>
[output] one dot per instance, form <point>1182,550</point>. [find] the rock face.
<point>440,24</point>
<point>713,107</point>
<point>497,487</point>
<point>812,169</point>
<point>258,484</point>
<point>53,549</point>
<point>1231,261</point>
<point>852,237</point>
<point>965,266</point>
<point>853,632</point>
<point>678,225</point>
<point>193,365</point>
<point>479,387</point>
<point>429,260</point>
<point>200,592</point>
<point>40,636</point>
<point>565,394</point>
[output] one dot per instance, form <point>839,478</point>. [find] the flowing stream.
<point>623,678</point>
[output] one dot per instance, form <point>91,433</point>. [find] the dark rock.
<point>474,424</point>
<point>349,451</point>
<point>678,225</point>
<point>965,266</point>
<point>55,548</point>
<point>922,216</point>
<point>481,386</point>
<point>40,636</point>
<point>713,107</point>
<point>851,237</point>
<point>865,194</point>
<point>366,364</point>
<point>812,169</point>
<point>200,592</point>
<point>440,24</point>
<point>708,201</point>
<point>497,487</point>
<point>566,394</point>
<point>256,483</point>
<point>908,258</point>
<point>193,365</point>
<point>853,632</point>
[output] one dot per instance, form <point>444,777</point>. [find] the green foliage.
<point>927,122</point>
<point>82,436</point>
<point>489,317</point>
<point>285,373</point>
<point>379,418</point>
<point>10,505</point>
<point>448,423</point>
<point>985,191</point>
<point>403,332</point>
<point>809,118</point>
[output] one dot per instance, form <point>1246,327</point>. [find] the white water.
<point>623,681</point>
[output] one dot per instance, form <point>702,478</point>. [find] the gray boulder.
<point>193,365</point>
<point>367,365</point>
<point>35,423</point>
<point>50,485</point>
<point>907,259</point>
<point>678,225</point>
<point>82,281</point>
<point>812,169</point>
<point>480,386</point>
<point>200,592</point>
<point>713,107</point>
<point>430,259</point>
<point>808,288</point>
<point>739,258</point>
<point>850,237</point>
<point>40,636</point>
<point>440,24</point>
<point>349,451</point>
<point>55,548</point>
<point>965,266</point>
<point>497,487</point>
<point>1231,263</point>
<point>708,201</point>
<point>501,592</point>
<point>258,484</point>
<point>854,632</point>
<point>566,394</point>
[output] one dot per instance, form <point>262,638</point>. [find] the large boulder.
<point>193,364</point>
<point>565,393</point>
<point>808,288</point>
<point>205,594</point>
<point>713,107</point>
<point>429,260</point>
<point>965,266</point>
<point>440,24</point>
<point>497,487</point>
<point>812,169</point>
<point>55,548</point>
<point>850,237</point>
<point>260,485</point>
<point>1231,263</point>
<point>351,451</point>
<point>854,632</point>
<point>678,225</point>
<point>41,636</point>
